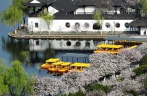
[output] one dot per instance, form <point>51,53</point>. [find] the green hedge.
<point>140,70</point>
<point>97,86</point>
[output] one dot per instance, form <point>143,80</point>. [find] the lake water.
<point>10,49</point>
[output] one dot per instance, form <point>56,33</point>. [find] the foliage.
<point>143,60</point>
<point>18,3</point>
<point>79,93</point>
<point>46,16</point>
<point>140,70</point>
<point>11,16</point>
<point>120,79</point>
<point>98,16</point>
<point>143,7</point>
<point>3,87</point>
<point>133,92</point>
<point>16,79</point>
<point>106,89</point>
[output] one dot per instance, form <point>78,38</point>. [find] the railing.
<point>89,15</point>
<point>59,36</point>
<point>121,16</point>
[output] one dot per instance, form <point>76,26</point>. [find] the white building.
<point>77,15</point>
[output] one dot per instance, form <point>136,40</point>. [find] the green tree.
<point>16,80</point>
<point>11,16</point>
<point>3,87</point>
<point>47,17</point>
<point>143,60</point>
<point>19,5</point>
<point>98,16</point>
<point>140,70</point>
<point>143,7</point>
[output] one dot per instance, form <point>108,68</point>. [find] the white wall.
<point>142,31</point>
<point>89,9</point>
<point>59,25</point>
<point>52,10</point>
<point>118,10</point>
<point>42,26</point>
<point>113,23</point>
<point>80,10</point>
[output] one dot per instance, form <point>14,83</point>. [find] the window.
<point>122,11</point>
<point>36,25</point>
<point>126,25</point>
<point>86,25</point>
<point>108,25</point>
<point>144,32</point>
<point>117,25</point>
<point>77,25</point>
<point>37,42</point>
<point>68,43</point>
<point>96,26</point>
<point>67,24</point>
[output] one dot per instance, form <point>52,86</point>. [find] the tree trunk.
<point>24,21</point>
<point>49,30</point>
<point>15,30</point>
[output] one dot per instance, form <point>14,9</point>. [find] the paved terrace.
<point>21,34</point>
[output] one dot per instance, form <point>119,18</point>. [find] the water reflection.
<point>15,47</point>
<point>39,52</point>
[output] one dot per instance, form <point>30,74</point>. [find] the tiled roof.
<point>77,2</point>
<point>139,22</point>
<point>64,6</point>
<point>117,2</point>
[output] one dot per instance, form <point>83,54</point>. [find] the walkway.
<point>59,35</point>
